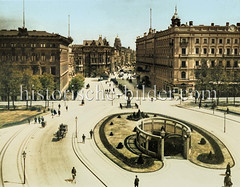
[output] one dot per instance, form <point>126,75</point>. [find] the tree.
<point>47,84</point>
<point>217,77</point>
<point>10,80</point>
<point>36,86</point>
<point>76,84</point>
<point>27,83</point>
<point>5,82</point>
<point>15,82</point>
<point>203,79</point>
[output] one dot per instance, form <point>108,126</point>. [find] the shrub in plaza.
<point>111,134</point>
<point>202,141</point>
<point>210,155</point>
<point>137,116</point>
<point>120,145</point>
<point>111,123</point>
<point>131,162</point>
<point>155,115</point>
<point>119,116</point>
<point>135,129</point>
<point>140,159</point>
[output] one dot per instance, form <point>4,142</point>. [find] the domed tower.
<point>175,19</point>
<point>117,43</point>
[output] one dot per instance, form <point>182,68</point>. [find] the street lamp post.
<point>224,122</point>
<point>24,168</point>
<point>76,118</point>
<point>52,105</point>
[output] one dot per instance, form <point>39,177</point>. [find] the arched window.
<point>183,75</point>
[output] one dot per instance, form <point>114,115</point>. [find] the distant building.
<point>91,56</point>
<point>123,56</point>
<point>42,51</point>
<point>169,58</point>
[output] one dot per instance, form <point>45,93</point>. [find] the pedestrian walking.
<point>136,181</point>
<point>35,120</point>
<point>66,108</point>
<point>59,106</point>
<point>59,113</point>
<point>199,105</point>
<point>82,102</point>
<point>227,110</point>
<point>228,169</point>
<point>83,138</point>
<point>227,181</point>
<point>91,133</point>
<point>42,118</point>
<point>74,172</point>
<point>29,121</point>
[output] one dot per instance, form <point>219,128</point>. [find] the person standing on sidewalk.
<point>91,133</point>
<point>74,173</point>
<point>136,181</point>
<point>83,138</point>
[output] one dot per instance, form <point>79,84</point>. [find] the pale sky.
<point>109,18</point>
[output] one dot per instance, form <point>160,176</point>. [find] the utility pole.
<point>76,118</point>
<point>68,25</point>
<point>24,167</point>
<point>23,14</point>
<point>224,122</point>
<point>150,18</point>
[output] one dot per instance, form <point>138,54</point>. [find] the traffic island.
<point>125,142</point>
<point>111,136</point>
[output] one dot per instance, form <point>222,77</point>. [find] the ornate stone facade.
<point>168,58</point>
<point>92,55</point>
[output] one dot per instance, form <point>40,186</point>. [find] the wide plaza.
<point>49,162</point>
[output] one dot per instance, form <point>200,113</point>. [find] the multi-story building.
<point>168,58</point>
<point>92,55</point>
<point>123,56</point>
<point>42,51</point>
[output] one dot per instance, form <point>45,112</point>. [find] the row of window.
<point>33,45</point>
<point>212,51</point>
<point>219,40</point>
<point>33,57</point>
<point>213,40</point>
<point>35,70</point>
<point>213,63</point>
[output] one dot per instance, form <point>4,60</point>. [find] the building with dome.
<point>169,58</point>
<point>122,56</point>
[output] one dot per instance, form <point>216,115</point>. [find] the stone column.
<point>159,149</point>
<point>162,149</point>
<point>147,144</point>
<point>152,124</point>
<point>160,153</point>
<point>186,147</point>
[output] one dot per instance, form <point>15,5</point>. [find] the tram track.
<point>20,149</point>
<point>81,159</point>
<point>3,151</point>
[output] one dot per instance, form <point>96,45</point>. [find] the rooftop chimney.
<point>227,24</point>
<point>212,24</point>
<point>191,23</point>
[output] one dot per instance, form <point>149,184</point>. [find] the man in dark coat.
<point>74,173</point>
<point>136,181</point>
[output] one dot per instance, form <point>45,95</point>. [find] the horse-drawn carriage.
<point>62,131</point>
